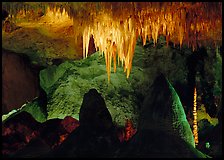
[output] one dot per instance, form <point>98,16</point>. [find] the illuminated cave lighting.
<point>112,38</point>
<point>53,15</point>
<point>127,132</point>
<point>62,138</point>
<point>195,125</point>
<point>116,26</point>
<point>56,16</point>
<point>116,37</point>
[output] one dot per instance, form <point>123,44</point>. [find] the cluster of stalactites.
<point>115,30</point>
<point>115,39</point>
<point>56,15</point>
<point>116,26</point>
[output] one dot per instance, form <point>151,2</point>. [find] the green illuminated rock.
<point>49,76</point>
<point>34,108</point>
<point>162,110</point>
<point>36,111</point>
<point>66,85</point>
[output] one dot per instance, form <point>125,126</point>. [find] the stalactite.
<point>116,26</point>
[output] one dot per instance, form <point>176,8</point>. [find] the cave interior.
<point>112,79</point>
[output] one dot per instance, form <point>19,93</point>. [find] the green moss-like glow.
<point>49,76</point>
<point>66,85</point>
<point>180,123</point>
<point>33,108</point>
<point>36,111</point>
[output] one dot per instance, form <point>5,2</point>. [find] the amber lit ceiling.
<point>116,26</point>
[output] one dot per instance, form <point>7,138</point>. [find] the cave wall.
<point>20,82</point>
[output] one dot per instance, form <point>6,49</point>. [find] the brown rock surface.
<point>19,82</point>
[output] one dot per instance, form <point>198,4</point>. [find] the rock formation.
<point>19,81</point>
<point>94,113</point>
<point>21,133</point>
<point>163,130</point>
<point>95,137</point>
<point>162,109</point>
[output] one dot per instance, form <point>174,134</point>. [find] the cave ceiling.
<point>115,26</point>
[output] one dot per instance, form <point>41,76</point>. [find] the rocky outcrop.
<point>67,83</point>
<point>22,132</point>
<point>162,110</point>
<point>96,136</point>
<point>55,131</point>
<point>18,131</point>
<point>19,81</point>
<point>94,113</point>
<point>163,130</point>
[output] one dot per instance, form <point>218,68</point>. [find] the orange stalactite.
<point>55,15</point>
<point>175,22</point>
<point>116,26</point>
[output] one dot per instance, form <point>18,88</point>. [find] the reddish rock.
<point>22,129</point>
<point>18,131</point>
<point>124,134</point>
<point>96,135</point>
<point>55,131</point>
<point>69,124</point>
<point>19,81</point>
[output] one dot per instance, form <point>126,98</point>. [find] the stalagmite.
<point>195,124</point>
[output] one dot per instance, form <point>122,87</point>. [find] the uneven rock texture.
<point>67,83</point>
<point>162,110</point>
<point>22,132</point>
<point>96,135</point>
<point>42,40</point>
<point>19,81</point>
<point>163,130</point>
<point>70,80</point>
<point>9,26</point>
<point>36,108</point>
<point>18,131</point>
